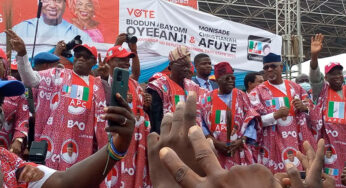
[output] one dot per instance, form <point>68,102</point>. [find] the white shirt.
<point>295,161</point>
<point>268,119</point>
<point>68,158</point>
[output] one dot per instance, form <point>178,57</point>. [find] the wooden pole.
<point>8,19</point>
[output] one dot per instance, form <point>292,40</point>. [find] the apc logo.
<point>80,125</point>
<point>141,13</point>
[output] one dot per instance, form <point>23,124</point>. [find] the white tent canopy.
<point>322,62</point>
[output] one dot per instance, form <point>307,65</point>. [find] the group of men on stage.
<point>267,124</point>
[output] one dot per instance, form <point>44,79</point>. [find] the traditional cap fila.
<point>271,58</point>
<point>179,52</point>
<point>222,68</point>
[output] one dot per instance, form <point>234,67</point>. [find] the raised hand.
<point>237,177</point>
<point>316,44</point>
<point>103,70</point>
<point>60,47</point>
<point>174,134</point>
<point>120,39</point>
<point>133,47</point>
<point>16,42</point>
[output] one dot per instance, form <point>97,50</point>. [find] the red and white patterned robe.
<point>16,119</point>
<point>9,163</point>
<point>133,170</point>
<point>242,113</point>
<point>331,124</point>
<point>281,141</point>
<point>68,114</point>
<point>171,93</point>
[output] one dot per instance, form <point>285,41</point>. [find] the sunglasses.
<point>272,66</point>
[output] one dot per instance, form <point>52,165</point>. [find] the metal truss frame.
<point>316,16</point>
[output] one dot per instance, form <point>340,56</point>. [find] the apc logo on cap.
<point>120,48</point>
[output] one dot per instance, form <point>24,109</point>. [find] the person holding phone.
<point>136,159</point>
<point>283,113</point>
<point>69,104</point>
<point>167,91</point>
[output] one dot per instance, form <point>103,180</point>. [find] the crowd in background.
<point>174,124</point>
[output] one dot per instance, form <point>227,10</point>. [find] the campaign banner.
<point>159,25</point>
<point>189,3</point>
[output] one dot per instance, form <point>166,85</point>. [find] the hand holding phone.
<point>119,85</point>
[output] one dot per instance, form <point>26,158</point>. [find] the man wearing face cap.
<point>167,91</point>
<point>119,57</point>
<point>330,111</point>
<point>69,103</point>
<point>283,114</point>
<point>229,120</point>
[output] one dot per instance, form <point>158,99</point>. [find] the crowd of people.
<point>180,129</point>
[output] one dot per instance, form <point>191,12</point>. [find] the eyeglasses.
<point>272,66</point>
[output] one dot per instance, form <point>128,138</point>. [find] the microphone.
<point>39,9</point>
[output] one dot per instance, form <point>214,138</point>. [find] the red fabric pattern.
<point>16,119</point>
<point>242,114</point>
<point>334,133</point>
<point>64,120</point>
<point>288,135</point>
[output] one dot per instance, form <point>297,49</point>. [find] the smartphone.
<point>120,85</point>
<point>302,175</point>
<point>258,47</point>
